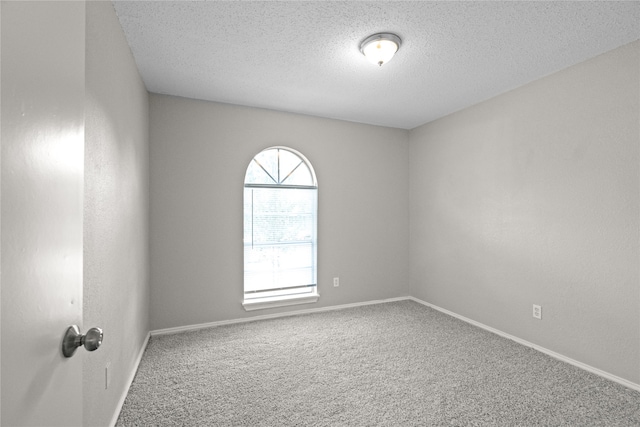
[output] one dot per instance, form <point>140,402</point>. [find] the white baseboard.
<point>132,375</point>
<point>551,353</point>
<point>269,316</point>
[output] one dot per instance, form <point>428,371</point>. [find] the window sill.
<point>272,302</point>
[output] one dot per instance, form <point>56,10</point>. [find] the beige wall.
<point>116,211</point>
<point>532,198</point>
<point>199,155</point>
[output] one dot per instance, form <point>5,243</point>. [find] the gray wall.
<point>199,154</point>
<point>532,198</point>
<point>116,211</point>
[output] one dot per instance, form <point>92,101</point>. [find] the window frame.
<point>275,298</point>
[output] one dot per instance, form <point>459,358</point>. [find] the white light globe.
<point>380,48</point>
<point>380,51</point>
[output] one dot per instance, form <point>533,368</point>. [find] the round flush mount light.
<point>380,48</point>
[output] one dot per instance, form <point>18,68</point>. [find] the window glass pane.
<point>294,171</point>
<point>278,266</point>
<point>267,163</point>
<point>279,238</point>
<point>288,163</point>
<point>256,175</point>
<point>301,176</point>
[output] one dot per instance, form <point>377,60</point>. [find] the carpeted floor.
<point>392,364</point>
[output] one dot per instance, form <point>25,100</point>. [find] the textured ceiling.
<point>303,56</point>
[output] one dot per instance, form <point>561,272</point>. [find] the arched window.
<point>280,230</point>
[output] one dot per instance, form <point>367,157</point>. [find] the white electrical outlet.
<point>336,282</point>
<point>537,311</point>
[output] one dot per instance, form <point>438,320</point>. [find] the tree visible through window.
<point>280,227</point>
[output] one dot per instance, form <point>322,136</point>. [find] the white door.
<point>42,131</point>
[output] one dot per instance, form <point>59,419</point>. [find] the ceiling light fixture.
<point>380,48</point>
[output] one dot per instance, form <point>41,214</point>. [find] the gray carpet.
<point>392,364</point>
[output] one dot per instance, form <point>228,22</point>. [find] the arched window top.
<point>280,167</point>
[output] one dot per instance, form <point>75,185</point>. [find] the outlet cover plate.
<point>537,311</point>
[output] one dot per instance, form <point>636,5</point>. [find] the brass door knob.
<point>74,339</point>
